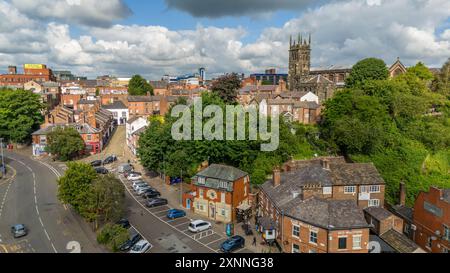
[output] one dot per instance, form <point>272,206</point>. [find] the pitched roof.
<point>143,98</point>
<point>117,105</point>
<point>85,101</point>
<point>403,211</point>
<point>399,242</point>
<point>328,214</point>
<point>378,213</point>
<point>318,79</point>
<point>222,172</point>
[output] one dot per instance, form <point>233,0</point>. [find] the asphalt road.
<point>30,198</point>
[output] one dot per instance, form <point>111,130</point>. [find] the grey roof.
<point>327,214</point>
<point>140,131</point>
<point>50,84</point>
<point>85,101</point>
<point>81,128</point>
<point>306,104</point>
<point>133,119</point>
<point>222,172</point>
<point>404,212</point>
<point>399,242</point>
<point>267,223</point>
<point>143,98</point>
<point>378,213</point>
<point>159,84</point>
<point>117,105</point>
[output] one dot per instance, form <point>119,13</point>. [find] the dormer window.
<point>201,180</point>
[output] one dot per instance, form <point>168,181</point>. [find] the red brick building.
<point>432,220</point>
<point>217,192</point>
<point>32,72</point>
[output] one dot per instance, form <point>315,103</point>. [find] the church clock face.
<point>211,194</point>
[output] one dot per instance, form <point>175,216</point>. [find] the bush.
<point>113,236</point>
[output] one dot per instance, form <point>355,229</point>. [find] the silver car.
<point>19,231</point>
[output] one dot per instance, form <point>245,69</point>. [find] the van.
<point>125,168</point>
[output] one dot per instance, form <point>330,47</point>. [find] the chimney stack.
<point>325,164</point>
<point>276,177</point>
<point>402,194</point>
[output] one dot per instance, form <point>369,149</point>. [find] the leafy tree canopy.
<point>367,69</point>
<point>138,86</point>
<point>65,143</point>
<point>227,87</point>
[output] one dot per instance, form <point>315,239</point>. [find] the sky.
<point>159,37</point>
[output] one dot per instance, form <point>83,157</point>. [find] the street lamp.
<point>3,158</point>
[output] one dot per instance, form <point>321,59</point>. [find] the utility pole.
<point>181,189</point>
<point>3,158</point>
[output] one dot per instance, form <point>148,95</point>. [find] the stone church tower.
<point>299,60</point>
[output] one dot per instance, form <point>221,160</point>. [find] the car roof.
<point>196,222</point>
<point>142,242</point>
<point>175,210</point>
<point>19,226</point>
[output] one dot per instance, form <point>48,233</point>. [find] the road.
<point>30,198</point>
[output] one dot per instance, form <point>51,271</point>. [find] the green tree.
<point>138,86</point>
<point>367,69</point>
<point>75,187</point>
<point>113,236</point>
<point>20,114</point>
<point>227,87</point>
<point>65,143</point>
<point>441,84</point>
<point>421,71</point>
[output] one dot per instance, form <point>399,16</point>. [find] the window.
<point>313,237</point>
<point>363,189</point>
<point>375,189</point>
<point>245,190</point>
<point>200,192</point>
<point>374,203</point>
<point>349,189</point>
<point>342,243</point>
<point>357,242</point>
<point>223,212</point>
<point>295,231</point>
<point>446,233</point>
<point>201,180</point>
<point>295,248</point>
<point>429,242</point>
<point>222,197</point>
<point>327,190</point>
<point>444,250</point>
<point>223,185</point>
<point>89,137</point>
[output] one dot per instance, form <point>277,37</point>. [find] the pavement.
<point>30,198</point>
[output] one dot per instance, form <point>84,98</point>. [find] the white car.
<point>141,247</point>
<point>138,182</point>
<point>140,185</point>
<point>134,177</point>
<point>199,226</point>
<point>142,190</point>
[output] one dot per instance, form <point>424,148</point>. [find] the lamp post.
<point>181,188</point>
<point>3,158</point>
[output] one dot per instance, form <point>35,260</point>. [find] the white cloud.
<point>83,12</point>
<point>342,32</point>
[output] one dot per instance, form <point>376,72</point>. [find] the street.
<point>30,198</point>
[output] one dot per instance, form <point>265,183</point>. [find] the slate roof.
<point>159,84</point>
<point>306,104</point>
<point>117,105</point>
<point>399,242</point>
<point>81,128</point>
<point>143,98</point>
<point>404,212</point>
<point>267,223</point>
<point>84,101</point>
<point>133,119</point>
<point>378,213</point>
<point>222,172</point>
<point>327,214</point>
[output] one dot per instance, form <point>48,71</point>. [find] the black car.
<point>151,194</point>
<point>232,244</point>
<point>96,163</point>
<point>156,202</point>
<point>131,242</point>
<point>124,223</point>
<point>101,170</point>
<point>110,159</point>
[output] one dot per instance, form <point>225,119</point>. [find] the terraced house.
<point>217,192</point>
<point>317,205</point>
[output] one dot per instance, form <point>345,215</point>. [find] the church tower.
<point>299,60</point>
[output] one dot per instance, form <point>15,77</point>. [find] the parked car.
<point>101,170</point>
<point>125,168</point>
<point>133,177</point>
<point>131,242</point>
<point>135,182</point>
<point>126,174</point>
<point>19,231</point>
<point>232,244</point>
<point>175,213</point>
<point>96,163</point>
<point>151,193</point>
<point>141,247</point>
<point>156,202</point>
<point>140,190</point>
<point>199,226</point>
<point>110,159</point>
<point>124,223</point>
<point>139,185</point>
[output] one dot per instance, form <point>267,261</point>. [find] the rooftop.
<point>117,105</point>
<point>222,172</point>
<point>399,242</point>
<point>378,213</point>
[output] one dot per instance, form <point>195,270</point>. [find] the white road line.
<point>215,241</point>
<point>120,177</point>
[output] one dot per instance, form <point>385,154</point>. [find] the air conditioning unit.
<point>413,227</point>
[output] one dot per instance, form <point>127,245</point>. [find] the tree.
<point>367,69</point>
<point>138,86</point>
<point>113,236</point>
<point>20,114</point>
<point>65,143</point>
<point>226,87</point>
<point>441,84</point>
<point>421,71</point>
<point>75,187</point>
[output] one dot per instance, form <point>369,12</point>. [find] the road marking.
<point>215,241</point>
<point>151,213</point>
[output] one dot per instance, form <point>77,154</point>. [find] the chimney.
<point>402,194</point>
<point>276,177</point>
<point>325,164</point>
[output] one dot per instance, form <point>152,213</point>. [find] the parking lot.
<point>210,238</point>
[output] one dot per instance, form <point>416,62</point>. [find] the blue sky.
<point>158,37</point>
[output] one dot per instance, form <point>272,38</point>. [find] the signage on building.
<point>34,66</point>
